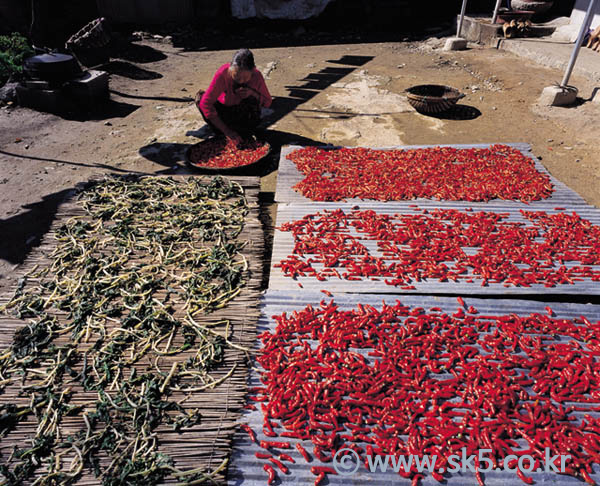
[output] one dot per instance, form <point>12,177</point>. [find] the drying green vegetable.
<point>116,314</point>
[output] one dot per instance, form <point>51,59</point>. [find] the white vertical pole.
<point>496,8</point>
<point>462,17</point>
<point>584,28</point>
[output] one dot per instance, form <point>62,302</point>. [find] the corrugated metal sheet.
<point>283,245</point>
<point>246,470</point>
<point>288,176</point>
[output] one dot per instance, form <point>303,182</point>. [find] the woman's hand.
<point>233,138</point>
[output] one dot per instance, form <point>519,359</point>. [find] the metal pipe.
<point>496,8</point>
<point>462,17</point>
<point>584,28</point>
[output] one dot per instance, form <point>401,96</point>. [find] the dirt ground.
<point>342,94</point>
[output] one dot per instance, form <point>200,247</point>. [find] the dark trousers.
<point>243,118</point>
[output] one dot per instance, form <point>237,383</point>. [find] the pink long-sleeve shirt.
<point>221,89</point>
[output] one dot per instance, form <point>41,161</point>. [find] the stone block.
<point>92,84</point>
<point>558,96</point>
<point>455,44</point>
<point>49,100</point>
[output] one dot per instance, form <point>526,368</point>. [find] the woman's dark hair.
<point>243,59</point>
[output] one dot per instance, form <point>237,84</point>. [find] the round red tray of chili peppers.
<point>216,154</point>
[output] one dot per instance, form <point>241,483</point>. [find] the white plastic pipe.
<point>496,8</point>
<point>462,17</point>
<point>584,28</point>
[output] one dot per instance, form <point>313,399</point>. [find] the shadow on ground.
<point>340,115</point>
<point>457,112</point>
<point>129,70</point>
<point>102,110</point>
<point>129,51</point>
<point>188,99</point>
<point>266,215</point>
<point>68,162</point>
<point>313,84</point>
<point>24,231</point>
<point>166,154</point>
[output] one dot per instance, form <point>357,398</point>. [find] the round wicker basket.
<point>432,98</point>
<point>94,34</point>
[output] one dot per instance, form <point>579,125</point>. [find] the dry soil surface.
<point>341,94</point>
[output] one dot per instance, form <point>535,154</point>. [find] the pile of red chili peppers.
<point>548,249</point>
<point>473,174</point>
<point>217,153</point>
<point>401,380</point>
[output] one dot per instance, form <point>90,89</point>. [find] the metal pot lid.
<point>50,58</point>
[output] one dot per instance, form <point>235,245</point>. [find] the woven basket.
<point>93,35</point>
<point>432,98</point>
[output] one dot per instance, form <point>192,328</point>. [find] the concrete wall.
<point>580,9</point>
<point>570,31</point>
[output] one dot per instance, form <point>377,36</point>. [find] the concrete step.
<point>481,30</point>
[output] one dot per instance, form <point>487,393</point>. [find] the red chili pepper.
<point>303,451</point>
<point>266,444</point>
<point>249,431</point>
<point>415,480</point>
<point>271,472</point>
<point>522,477</point>
<point>268,429</point>
<point>319,479</point>
<point>262,455</point>
<point>282,467</point>
<point>285,457</point>
<point>586,477</point>
<point>316,470</point>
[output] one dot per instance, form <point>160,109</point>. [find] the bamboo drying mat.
<point>283,245</point>
<point>208,443</point>
<point>246,469</point>
<point>288,176</point>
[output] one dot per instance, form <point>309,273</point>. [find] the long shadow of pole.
<point>313,85</point>
<point>69,162</point>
